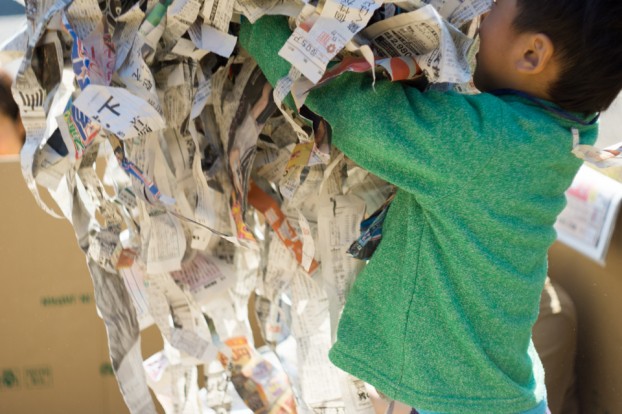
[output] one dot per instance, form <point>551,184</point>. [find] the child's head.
<point>566,51</point>
<point>11,129</point>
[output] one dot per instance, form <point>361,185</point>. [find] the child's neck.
<point>536,84</point>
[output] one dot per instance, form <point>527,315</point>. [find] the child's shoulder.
<point>514,106</point>
<point>483,101</point>
<point>481,109</point>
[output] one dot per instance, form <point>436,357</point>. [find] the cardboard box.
<point>53,351</point>
<point>596,292</point>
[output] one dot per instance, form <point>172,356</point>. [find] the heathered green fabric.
<point>441,316</point>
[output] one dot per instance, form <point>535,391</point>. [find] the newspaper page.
<point>179,318</point>
<point>134,73</point>
<point>214,35</point>
<point>134,279</point>
<point>92,48</point>
<point>263,387</point>
<point>338,227</point>
<point>113,303</point>
<point>163,240</point>
<point>244,111</point>
<point>205,277</point>
<point>217,387</point>
<point>587,222</point>
<point>180,15</point>
<point>319,379</point>
<point>254,9</point>
<point>33,92</point>
<point>319,38</point>
<point>211,208</point>
<point>127,25</point>
<point>119,112</point>
<point>440,49</point>
<point>77,130</point>
<point>175,384</point>
<point>456,12</point>
<point>281,226</point>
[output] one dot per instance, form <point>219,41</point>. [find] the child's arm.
<point>427,143</point>
<point>263,40</point>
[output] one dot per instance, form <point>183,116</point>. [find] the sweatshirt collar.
<point>551,107</point>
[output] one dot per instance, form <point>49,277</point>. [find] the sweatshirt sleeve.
<point>263,40</point>
<point>430,144</point>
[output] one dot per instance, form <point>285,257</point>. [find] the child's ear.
<point>537,53</point>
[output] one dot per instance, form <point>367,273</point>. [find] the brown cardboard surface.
<point>53,351</point>
<point>597,293</point>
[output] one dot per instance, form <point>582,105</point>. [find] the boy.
<point>441,317</point>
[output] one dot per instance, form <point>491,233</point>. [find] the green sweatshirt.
<point>441,316</point>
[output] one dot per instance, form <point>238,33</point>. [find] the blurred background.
<point>11,18</point>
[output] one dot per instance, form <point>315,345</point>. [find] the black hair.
<point>8,107</point>
<point>587,37</point>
